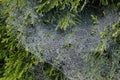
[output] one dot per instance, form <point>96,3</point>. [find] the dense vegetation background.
<point>16,63</point>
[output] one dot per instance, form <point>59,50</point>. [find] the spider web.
<point>68,51</point>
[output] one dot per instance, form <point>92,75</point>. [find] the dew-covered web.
<point>68,51</point>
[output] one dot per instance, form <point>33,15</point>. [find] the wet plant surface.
<point>59,40</point>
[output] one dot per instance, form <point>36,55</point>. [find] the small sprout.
<point>113,27</point>
<point>84,4</point>
<point>103,34</point>
<point>104,13</point>
<point>116,33</point>
<point>93,32</point>
<point>95,19</point>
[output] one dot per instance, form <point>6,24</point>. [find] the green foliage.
<point>116,29</point>
<point>65,22</point>
<point>58,11</point>
<point>63,12</point>
<point>107,56</point>
<point>53,73</point>
<point>16,63</point>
